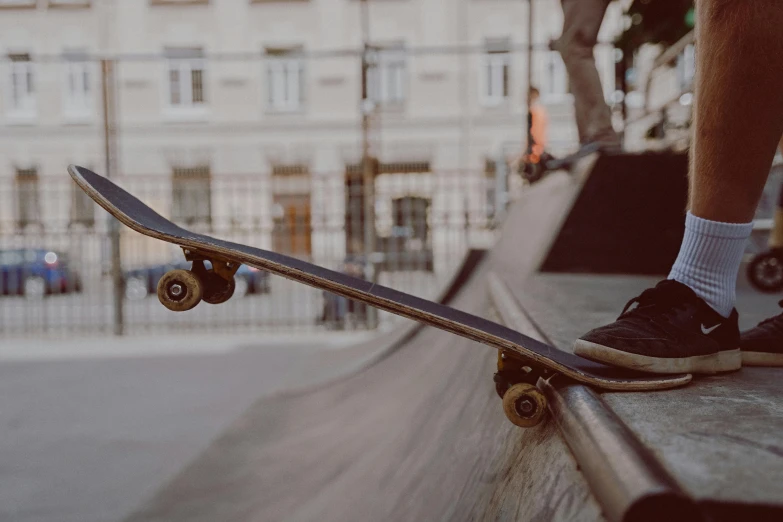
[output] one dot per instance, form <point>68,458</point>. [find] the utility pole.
<point>368,162</point>
<point>530,43</point>
<point>464,81</point>
<point>110,155</point>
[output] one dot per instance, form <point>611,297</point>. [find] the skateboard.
<point>521,359</point>
<point>533,172</point>
<point>567,162</point>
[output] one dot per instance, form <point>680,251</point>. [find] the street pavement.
<point>91,427</point>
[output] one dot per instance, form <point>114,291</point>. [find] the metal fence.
<point>384,162</point>
<point>56,275</point>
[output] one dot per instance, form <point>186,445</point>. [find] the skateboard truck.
<point>515,383</point>
<point>180,290</point>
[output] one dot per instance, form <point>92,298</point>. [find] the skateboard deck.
<point>567,161</point>
<point>523,360</point>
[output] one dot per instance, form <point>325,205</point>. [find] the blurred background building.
<point>252,120</point>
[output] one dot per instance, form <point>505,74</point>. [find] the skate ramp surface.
<point>627,219</point>
<point>420,435</point>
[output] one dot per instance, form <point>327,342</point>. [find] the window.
<point>386,75</point>
<point>22,88</point>
<point>28,209</point>
<point>185,72</point>
<point>554,78</point>
<point>191,198</point>
<point>407,248</point>
<point>17,3</point>
<point>291,186</point>
<point>410,217</point>
<point>495,72</point>
<point>178,2</point>
<point>69,3</point>
<point>82,207</point>
<point>78,86</point>
<point>285,79</point>
<point>292,224</point>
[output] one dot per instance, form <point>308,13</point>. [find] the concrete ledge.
<point>721,436</point>
<point>626,479</point>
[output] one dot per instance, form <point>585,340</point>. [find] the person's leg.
<point>738,72</point>
<point>776,234</point>
<point>581,21</point>
<point>762,345</point>
<point>688,323</point>
<point>738,117</point>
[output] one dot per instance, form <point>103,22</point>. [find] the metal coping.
<point>626,479</point>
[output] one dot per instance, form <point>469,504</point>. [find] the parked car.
<point>141,282</point>
<point>35,272</point>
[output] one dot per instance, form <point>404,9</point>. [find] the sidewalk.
<point>90,428</point>
<point>101,347</point>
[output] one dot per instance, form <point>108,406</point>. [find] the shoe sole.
<point>762,359</point>
<point>724,361</point>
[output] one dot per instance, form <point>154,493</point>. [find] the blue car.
<point>141,282</point>
<point>36,272</point>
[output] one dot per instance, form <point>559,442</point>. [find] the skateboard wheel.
<point>179,290</point>
<point>524,405</point>
<point>216,289</point>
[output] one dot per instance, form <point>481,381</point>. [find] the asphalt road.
<point>86,438</point>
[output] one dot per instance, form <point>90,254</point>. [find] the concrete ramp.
<point>420,435</point>
<point>628,218</point>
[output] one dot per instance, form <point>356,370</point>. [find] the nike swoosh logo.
<point>706,331</point>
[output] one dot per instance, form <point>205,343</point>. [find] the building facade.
<point>244,116</point>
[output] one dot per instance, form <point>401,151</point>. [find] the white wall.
<point>442,119</point>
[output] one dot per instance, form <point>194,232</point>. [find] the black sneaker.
<point>763,345</point>
<point>670,330</point>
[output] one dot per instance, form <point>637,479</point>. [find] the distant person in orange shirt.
<point>531,164</point>
<point>538,123</point>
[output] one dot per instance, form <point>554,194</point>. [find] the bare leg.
<point>737,124</point>
<point>776,234</point>
<point>739,106</point>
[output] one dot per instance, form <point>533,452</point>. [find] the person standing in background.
<point>538,125</point>
<point>531,164</point>
<point>581,22</point>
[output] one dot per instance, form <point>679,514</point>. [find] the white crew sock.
<point>709,260</point>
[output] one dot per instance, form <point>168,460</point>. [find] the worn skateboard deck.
<point>141,218</point>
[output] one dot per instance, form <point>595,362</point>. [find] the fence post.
<point>369,164</point>
<point>110,150</point>
<point>501,188</point>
